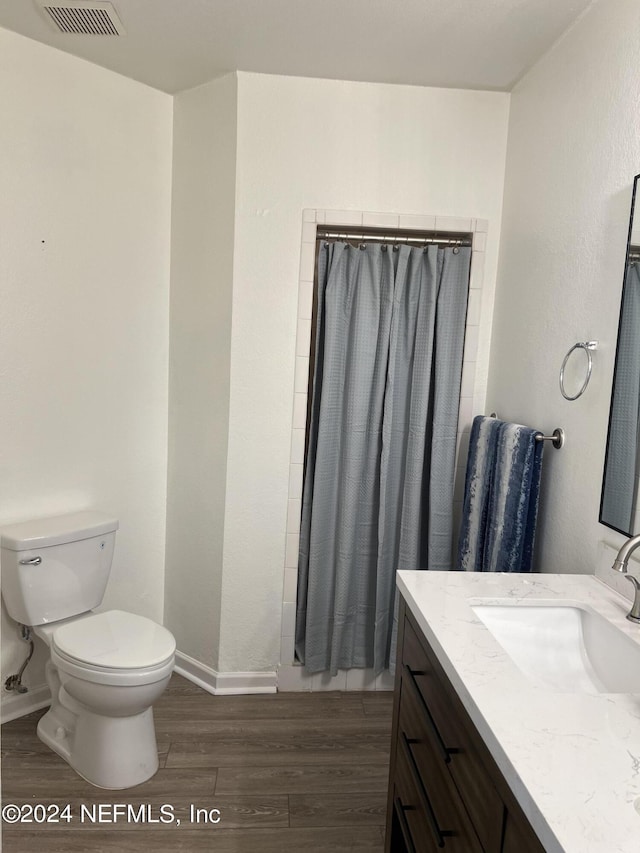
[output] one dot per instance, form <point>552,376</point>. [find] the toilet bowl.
<point>105,672</point>
<point>106,669</point>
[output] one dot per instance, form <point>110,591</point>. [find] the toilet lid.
<point>115,640</point>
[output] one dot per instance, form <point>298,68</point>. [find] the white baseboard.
<point>16,705</point>
<point>224,683</point>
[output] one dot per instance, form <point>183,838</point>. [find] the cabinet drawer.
<point>431,776</point>
<point>452,742</point>
<point>419,835</point>
<point>430,825</point>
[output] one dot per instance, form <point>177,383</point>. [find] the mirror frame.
<point>636,183</point>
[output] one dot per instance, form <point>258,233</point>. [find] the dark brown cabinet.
<point>445,790</point>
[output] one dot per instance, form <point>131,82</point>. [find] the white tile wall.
<point>361,679</point>
<point>326,681</point>
<point>477,270</point>
<point>297,446</point>
<point>305,297</point>
<point>301,381</point>
<point>299,410</point>
<point>291,551</point>
<point>473,307</point>
<point>290,585</point>
<point>468,379</point>
<point>419,223</point>
<point>479,242</point>
<point>293,515</point>
<point>380,220</point>
<point>454,223</point>
<point>471,343</point>
<point>308,232</point>
<point>303,337</point>
<point>307,259</point>
<point>296,473</point>
<point>288,618</point>
<point>340,217</point>
<point>290,675</point>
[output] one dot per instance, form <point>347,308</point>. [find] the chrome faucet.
<point>620,565</point>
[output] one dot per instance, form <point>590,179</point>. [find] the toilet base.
<point>109,752</point>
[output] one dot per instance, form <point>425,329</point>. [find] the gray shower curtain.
<point>378,489</point>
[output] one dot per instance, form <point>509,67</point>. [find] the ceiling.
<point>177,44</point>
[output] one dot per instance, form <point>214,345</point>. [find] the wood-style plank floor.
<point>287,772</point>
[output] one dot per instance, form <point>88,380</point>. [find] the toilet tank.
<point>53,568</point>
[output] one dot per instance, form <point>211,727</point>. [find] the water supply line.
<point>14,682</point>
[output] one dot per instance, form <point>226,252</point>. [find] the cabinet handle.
<point>445,751</point>
<point>404,826</point>
<point>438,834</point>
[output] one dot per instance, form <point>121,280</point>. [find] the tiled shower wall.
<point>292,676</point>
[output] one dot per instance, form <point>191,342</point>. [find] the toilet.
<point>105,669</point>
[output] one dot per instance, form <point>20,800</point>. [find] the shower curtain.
<point>378,488</point>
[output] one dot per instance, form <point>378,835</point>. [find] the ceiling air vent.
<point>83,18</point>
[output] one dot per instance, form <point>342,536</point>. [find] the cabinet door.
<point>415,740</point>
<point>419,829</point>
<point>519,837</point>
<point>458,747</point>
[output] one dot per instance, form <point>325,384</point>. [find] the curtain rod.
<point>391,237</point>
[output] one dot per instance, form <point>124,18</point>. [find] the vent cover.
<point>83,18</point>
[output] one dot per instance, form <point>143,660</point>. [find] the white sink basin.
<point>565,647</point>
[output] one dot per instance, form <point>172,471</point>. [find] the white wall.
<point>84,306</point>
<point>204,169</point>
<point>574,147</point>
<point>322,144</point>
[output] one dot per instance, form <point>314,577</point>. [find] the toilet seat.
<point>114,677</point>
<point>114,647</point>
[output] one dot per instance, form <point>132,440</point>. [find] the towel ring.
<point>588,347</point>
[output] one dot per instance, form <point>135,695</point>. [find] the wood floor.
<point>288,772</point>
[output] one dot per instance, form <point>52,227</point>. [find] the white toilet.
<point>106,669</point>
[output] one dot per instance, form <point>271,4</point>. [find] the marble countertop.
<point>571,759</point>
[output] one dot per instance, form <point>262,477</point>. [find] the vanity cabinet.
<point>445,790</point>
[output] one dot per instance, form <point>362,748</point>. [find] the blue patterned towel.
<point>481,464</point>
<point>501,497</point>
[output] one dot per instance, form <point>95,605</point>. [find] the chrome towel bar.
<point>556,438</point>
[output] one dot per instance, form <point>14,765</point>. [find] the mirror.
<point>619,503</point>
